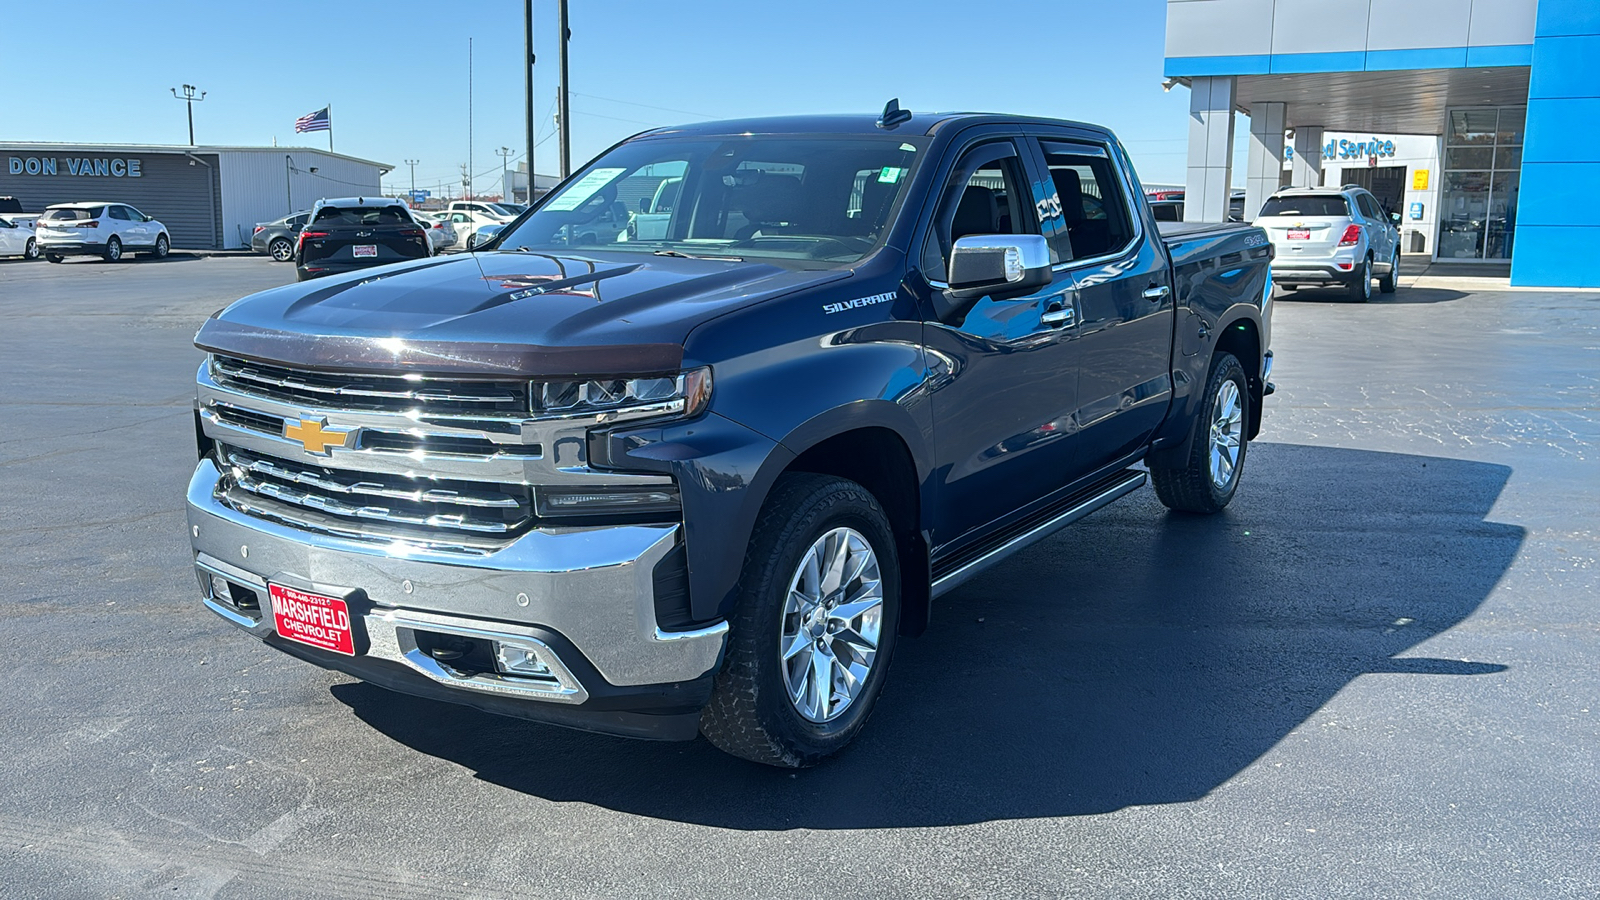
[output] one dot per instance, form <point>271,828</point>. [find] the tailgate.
<point>1303,235</point>
<point>364,243</point>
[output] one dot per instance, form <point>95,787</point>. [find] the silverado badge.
<point>315,435</point>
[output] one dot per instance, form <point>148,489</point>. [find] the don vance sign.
<point>102,167</point>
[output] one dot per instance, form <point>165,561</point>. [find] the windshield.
<point>1310,205</point>
<point>780,197</point>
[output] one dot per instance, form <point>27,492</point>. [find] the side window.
<point>297,221</point>
<point>1093,206</point>
<point>986,194</point>
<point>133,214</point>
<point>118,212</point>
<point>1369,209</point>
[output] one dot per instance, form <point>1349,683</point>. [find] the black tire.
<point>1360,286</point>
<point>53,257</point>
<point>280,250</point>
<point>750,714</point>
<point>1386,282</point>
<point>31,251</point>
<point>1190,486</point>
<point>113,249</point>
<point>162,247</point>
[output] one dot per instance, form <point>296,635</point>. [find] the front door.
<point>1004,374</point>
<point>1125,301</point>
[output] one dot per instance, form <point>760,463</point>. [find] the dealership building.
<point>1477,120</point>
<point>210,198</point>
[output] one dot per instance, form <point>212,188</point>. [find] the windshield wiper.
<point>683,255</point>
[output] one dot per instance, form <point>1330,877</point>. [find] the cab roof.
<point>860,123</point>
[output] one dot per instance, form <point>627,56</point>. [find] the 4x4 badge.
<point>315,436</point>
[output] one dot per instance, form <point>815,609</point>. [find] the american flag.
<point>317,121</point>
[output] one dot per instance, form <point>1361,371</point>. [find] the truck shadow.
<point>1139,657</point>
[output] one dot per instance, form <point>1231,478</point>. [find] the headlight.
<point>608,400</point>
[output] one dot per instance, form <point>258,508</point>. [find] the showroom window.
<point>1482,170</point>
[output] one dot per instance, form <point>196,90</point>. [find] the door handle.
<point>1159,292</point>
<point>1058,318</point>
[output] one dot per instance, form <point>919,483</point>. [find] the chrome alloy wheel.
<point>1227,430</point>
<point>832,619</point>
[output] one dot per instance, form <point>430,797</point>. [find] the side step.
<point>1036,528</point>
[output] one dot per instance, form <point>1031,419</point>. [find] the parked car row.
<point>95,228</point>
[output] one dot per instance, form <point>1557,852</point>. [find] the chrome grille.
<point>373,506</point>
<point>378,441</point>
<point>374,393</point>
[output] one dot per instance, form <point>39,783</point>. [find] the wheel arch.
<point>1241,336</point>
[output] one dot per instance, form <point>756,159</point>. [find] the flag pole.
<point>330,127</point>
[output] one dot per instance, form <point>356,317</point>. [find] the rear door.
<point>1124,296</point>
<point>357,236</point>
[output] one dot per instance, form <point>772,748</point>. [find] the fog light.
<point>219,589</point>
<point>514,660</point>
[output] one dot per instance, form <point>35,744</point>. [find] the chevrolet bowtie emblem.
<point>315,435</point>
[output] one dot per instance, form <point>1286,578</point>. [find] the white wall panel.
<point>1314,26</point>
<point>1418,24</point>
<point>1219,27</point>
<point>1496,22</point>
<point>254,188</point>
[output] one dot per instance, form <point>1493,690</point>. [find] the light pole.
<point>288,184</point>
<point>527,66</point>
<point>505,188</point>
<point>190,98</point>
<point>562,102</point>
<point>413,164</point>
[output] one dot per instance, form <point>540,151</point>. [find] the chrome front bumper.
<point>591,586</point>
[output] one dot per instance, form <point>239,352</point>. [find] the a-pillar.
<point>1307,167</point>
<point>1210,149</point>
<point>1267,119</point>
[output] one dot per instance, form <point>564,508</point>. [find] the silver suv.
<point>1329,235</point>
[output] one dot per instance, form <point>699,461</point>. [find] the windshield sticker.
<point>582,189</point>
<point>831,308</point>
<point>890,174</point>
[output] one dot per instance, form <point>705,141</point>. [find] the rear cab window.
<point>1094,208</point>
<point>1307,205</point>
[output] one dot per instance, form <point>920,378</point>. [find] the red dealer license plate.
<point>312,619</point>
<point>365,250</point>
<point>1299,235</point>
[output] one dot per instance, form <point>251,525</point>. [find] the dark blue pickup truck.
<point>699,476</point>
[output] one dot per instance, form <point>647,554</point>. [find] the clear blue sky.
<point>396,71</point>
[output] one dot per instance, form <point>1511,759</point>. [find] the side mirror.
<point>998,266</point>
<point>1394,217</point>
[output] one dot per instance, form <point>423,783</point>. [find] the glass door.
<point>1482,174</point>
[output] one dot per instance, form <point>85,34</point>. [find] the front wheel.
<point>162,246</point>
<point>1208,478</point>
<point>31,251</point>
<point>814,629</point>
<point>281,250</point>
<point>113,249</point>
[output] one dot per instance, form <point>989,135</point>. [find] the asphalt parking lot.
<point>1377,674</point>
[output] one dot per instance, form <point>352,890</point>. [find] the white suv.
<point>99,229</point>
<point>1332,236</point>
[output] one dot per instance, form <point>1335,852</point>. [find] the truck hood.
<point>500,313</point>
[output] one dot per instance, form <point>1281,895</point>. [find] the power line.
<point>687,112</point>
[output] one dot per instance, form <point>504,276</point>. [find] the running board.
<point>1123,484</point>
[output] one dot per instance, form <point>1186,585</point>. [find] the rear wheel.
<point>1386,282</point>
<point>31,251</point>
<point>281,250</point>
<point>113,249</point>
<point>1208,478</point>
<point>811,638</point>
<point>1361,285</point>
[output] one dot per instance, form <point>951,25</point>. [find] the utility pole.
<point>466,183</point>
<point>413,164</point>
<point>505,185</point>
<point>467,179</point>
<point>564,105</point>
<point>527,66</point>
<point>189,98</point>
